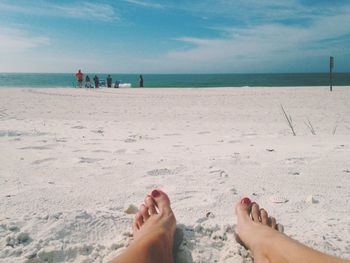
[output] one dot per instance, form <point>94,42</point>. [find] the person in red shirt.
<point>79,77</point>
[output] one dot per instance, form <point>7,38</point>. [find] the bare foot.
<point>156,221</point>
<point>254,226</point>
<point>153,230</point>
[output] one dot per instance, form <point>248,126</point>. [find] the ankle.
<point>157,245</point>
<point>160,245</point>
<point>164,239</point>
<point>262,235</point>
<point>263,246</point>
<point>153,248</point>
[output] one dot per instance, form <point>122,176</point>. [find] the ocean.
<point>67,80</point>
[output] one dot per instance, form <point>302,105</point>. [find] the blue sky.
<point>168,36</point>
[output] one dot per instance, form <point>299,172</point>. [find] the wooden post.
<point>331,65</point>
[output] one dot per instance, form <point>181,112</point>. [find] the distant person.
<point>96,81</point>
<point>79,76</point>
<point>109,81</point>
<point>141,81</point>
<point>87,82</point>
<point>116,84</point>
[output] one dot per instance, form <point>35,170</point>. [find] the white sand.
<point>73,160</point>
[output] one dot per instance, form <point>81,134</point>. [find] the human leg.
<point>257,231</point>
<point>153,230</point>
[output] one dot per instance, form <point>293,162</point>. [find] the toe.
<point>280,228</point>
<point>243,209</point>
<point>144,212</point>
<point>264,216</point>
<point>273,223</point>
<point>255,212</point>
<point>151,205</point>
<point>161,200</point>
<point>139,219</point>
<point>135,227</point>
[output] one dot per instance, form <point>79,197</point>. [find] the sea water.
<point>67,80</point>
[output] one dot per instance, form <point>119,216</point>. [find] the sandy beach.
<point>73,161</point>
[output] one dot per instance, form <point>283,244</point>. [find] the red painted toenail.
<point>155,193</point>
<point>245,201</point>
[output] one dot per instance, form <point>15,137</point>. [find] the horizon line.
<point>213,73</point>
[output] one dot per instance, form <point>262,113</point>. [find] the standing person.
<point>87,82</point>
<point>109,81</point>
<point>96,81</point>
<point>141,81</point>
<point>79,76</point>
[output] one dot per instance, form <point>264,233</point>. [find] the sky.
<point>174,36</point>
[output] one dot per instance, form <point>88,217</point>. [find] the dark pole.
<point>331,65</point>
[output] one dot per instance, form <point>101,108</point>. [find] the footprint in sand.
<point>121,151</point>
<point>99,131</point>
<point>43,161</point>
<point>234,141</point>
<point>166,171</point>
<point>44,147</point>
<point>89,160</point>
<point>294,173</point>
<point>162,171</point>
<point>178,145</point>
<point>101,151</point>
<point>204,132</point>
<point>295,160</point>
<point>8,133</point>
<point>342,147</point>
<point>3,113</point>
<point>172,134</point>
<point>141,137</point>
<point>233,190</point>
<point>129,140</point>
<point>79,127</point>
<point>61,139</point>
<point>219,172</point>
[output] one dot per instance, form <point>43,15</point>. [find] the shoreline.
<point>213,87</point>
<point>183,80</point>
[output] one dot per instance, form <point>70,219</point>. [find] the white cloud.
<point>145,4</point>
<point>261,48</point>
<point>14,40</point>
<point>102,12</point>
<point>249,12</point>
<point>76,10</point>
<point>259,42</point>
